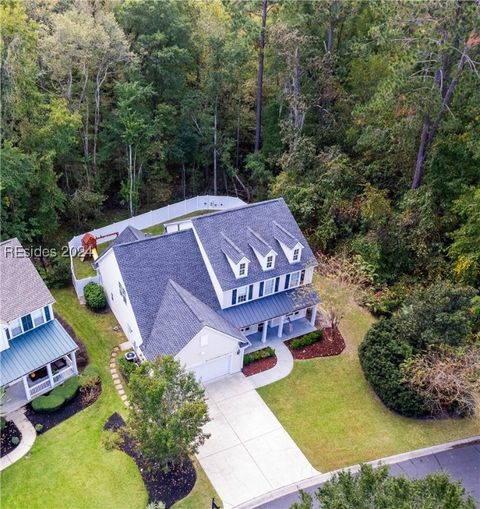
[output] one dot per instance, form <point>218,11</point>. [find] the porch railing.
<point>62,375</point>
<point>40,387</point>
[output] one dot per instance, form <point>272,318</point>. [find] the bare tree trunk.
<point>237,146</point>
<point>261,49</point>
<point>215,152</point>
<point>98,86</point>
<point>184,181</point>
<point>429,129</point>
<point>130,181</point>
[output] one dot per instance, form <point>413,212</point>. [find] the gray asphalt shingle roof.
<point>231,250</point>
<point>148,265</point>
<point>258,243</point>
<point>272,306</point>
<point>264,218</point>
<point>130,234</point>
<point>180,317</point>
<point>22,290</point>
<point>34,349</point>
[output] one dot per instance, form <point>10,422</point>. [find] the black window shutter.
<point>287,281</point>
<point>8,333</point>
<point>277,283</point>
<point>234,297</point>
<point>302,277</point>
<point>250,292</point>
<point>260,292</point>
<point>27,322</point>
<point>47,313</point>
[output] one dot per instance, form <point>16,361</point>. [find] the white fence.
<point>146,220</point>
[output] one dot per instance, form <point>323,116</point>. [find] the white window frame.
<point>266,284</point>
<point>38,313</point>
<point>297,283</point>
<point>242,269</point>
<point>296,254</point>
<point>269,262</point>
<point>12,326</point>
<point>242,294</point>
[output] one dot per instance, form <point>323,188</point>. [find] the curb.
<point>321,478</point>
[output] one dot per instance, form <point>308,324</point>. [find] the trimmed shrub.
<point>68,389</point>
<point>264,353</point>
<point>155,505</point>
<point>111,440</point>
<point>381,354</point>
<point>95,296</point>
<point>38,427</point>
<point>3,423</point>
<point>15,440</point>
<point>89,373</point>
<point>47,404</point>
<point>126,368</point>
<point>308,339</point>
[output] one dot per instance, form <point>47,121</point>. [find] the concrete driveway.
<point>249,452</point>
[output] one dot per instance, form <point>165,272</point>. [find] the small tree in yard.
<point>167,413</point>
<point>377,488</point>
<point>95,296</point>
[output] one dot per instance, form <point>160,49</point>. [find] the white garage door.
<point>213,369</point>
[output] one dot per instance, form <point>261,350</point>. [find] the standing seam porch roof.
<point>34,349</point>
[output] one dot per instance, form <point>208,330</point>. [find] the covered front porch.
<point>38,382</point>
<point>284,327</point>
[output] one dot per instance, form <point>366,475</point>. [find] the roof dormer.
<point>236,257</point>
<point>290,245</point>
<point>264,252</point>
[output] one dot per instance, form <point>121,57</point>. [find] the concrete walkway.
<point>28,438</point>
<point>249,453</point>
<point>282,369</point>
<point>117,381</point>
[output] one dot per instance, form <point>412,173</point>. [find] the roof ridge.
<point>230,241</point>
<point>259,237</point>
<point>226,211</point>
<point>176,287</point>
<point>283,230</point>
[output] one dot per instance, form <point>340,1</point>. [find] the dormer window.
<point>242,269</point>
<point>269,263</point>
<point>296,254</point>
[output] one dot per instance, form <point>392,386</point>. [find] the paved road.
<point>462,463</point>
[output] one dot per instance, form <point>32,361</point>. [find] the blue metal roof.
<point>34,349</point>
<point>272,306</point>
<point>264,218</point>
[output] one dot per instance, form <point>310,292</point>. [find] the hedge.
<point>264,353</point>
<point>308,339</point>
<point>95,296</point>
<point>58,397</point>
<point>126,368</point>
<point>381,354</point>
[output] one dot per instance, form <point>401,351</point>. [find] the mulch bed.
<point>81,353</point>
<point>332,343</point>
<point>258,366</point>
<point>6,436</point>
<point>161,487</point>
<point>50,420</point>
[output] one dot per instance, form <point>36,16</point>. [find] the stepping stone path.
<point>117,382</point>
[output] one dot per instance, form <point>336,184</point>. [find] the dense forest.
<point>363,115</point>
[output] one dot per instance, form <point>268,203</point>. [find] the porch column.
<point>73,357</point>
<point>264,332</point>
<point>280,326</point>
<point>50,374</point>
<point>27,389</point>
<point>314,315</point>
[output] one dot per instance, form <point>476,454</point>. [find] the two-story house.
<point>36,353</point>
<point>213,286</point>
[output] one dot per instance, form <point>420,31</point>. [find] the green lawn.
<point>332,414</point>
<point>84,269</point>
<point>67,467</point>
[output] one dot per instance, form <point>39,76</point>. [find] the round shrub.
<point>126,368</point>
<point>68,389</point>
<point>381,355</point>
<point>38,427</point>
<point>15,440</point>
<point>90,376</point>
<point>95,296</point>
<point>111,440</point>
<point>47,404</point>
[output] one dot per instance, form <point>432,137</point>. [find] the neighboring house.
<point>36,353</point>
<point>213,286</point>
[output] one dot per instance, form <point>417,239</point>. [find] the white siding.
<point>194,354</point>
<point>110,277</point>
